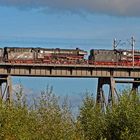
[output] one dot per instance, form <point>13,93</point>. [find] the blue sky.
<point>75,19</point>
<point>36,23</point>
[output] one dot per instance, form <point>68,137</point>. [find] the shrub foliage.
<point>48,119</point>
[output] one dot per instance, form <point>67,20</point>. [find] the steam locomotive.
<point>42,55</point>
<point>69,56</point>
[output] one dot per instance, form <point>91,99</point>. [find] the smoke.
<point>108,7</point>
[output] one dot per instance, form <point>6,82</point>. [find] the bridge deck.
<point>56,70</point>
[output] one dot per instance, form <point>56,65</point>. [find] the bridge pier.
<point>5,88</point>
<point>135,85</point>
<point>100,92</point>
<point>113,96</point>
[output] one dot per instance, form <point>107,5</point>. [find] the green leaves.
<point>47,119</point>
<point>121,122</point>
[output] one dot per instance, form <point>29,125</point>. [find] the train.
<point>42,55</point>
<point>114,57</point>
<point>29,55</point>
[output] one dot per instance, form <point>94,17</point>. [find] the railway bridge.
<point>105,74</point>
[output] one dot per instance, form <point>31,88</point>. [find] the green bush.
<point>91,119</point>
<point>48,119</point>
<point>120,122</point>
<point>123,121</point>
